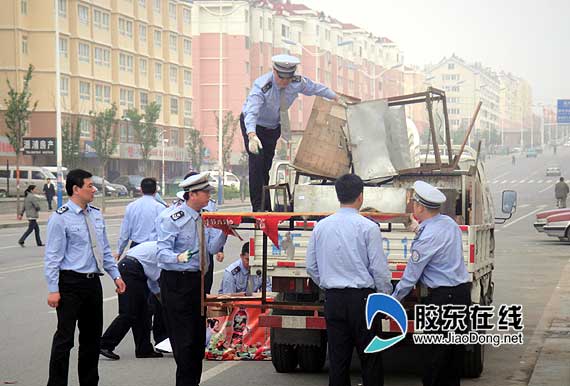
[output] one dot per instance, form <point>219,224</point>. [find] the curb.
<point>24,223</point>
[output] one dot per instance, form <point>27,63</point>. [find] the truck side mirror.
<point>509,202</point>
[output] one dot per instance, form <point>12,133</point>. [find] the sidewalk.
<point>553,364</point>
<point>113,212</point>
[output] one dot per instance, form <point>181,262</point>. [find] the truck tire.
<point>283,357</point>
<point>312,358</point>
<point>473,361</point>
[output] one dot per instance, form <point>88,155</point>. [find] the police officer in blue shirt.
<point>180,280</point>
<point>139,269</point>
<point>138,224</point>
<point>437,262</point>
<point>237,276</point>
<point>211,207</point>
<point>264,117</point>
<point>77,252</point>
<point>346,259</point>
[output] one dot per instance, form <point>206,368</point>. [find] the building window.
<point>246,16</point>
<point>187,16</point>
<point>126,62</point>
<point>174,106</point>
<point>143,100</point>
<point>261,22</point>
<point>158,100</point>
<point>173,42</point>
<point>269,24</point>
<point>24,7</point>
<point>107,94</point>
<point>172,11</point>
<point>101,19</point>
<point>247,42</point>
<point>106,57</point>
<point>142,33</point>
<point>127,98</point>
<point>126,27</point>
<point>187,78</point>
<point>158,71</point>
<point>83,14</point>
<point>174,134</point>
<point>98,55</point>
<point>142,64</point>
<point>188,108</point>
<point>62,8</point>
<point>142,3</point>
<point>24,45</point>
<point>451,66</point>
<point>84,91</point>
<point>173,74</point>
<point>84,128</point>
<point>64,86</point>
<point>284,31</point>
<point>158,38</point>
<point>187,47</point>
<point>124,131</point>
<point>98,93</point>
<point>157,6</point>
<point>84,52</point>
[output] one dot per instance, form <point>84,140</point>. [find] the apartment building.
<point>465,85</point>
<point>127,52</point>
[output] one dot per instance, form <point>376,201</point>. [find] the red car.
<point>541,217</point>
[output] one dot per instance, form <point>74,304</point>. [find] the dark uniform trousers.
<point>346,328</point>
<point>260,164</point>
<point>133,310</point>
<point>81,303</point>
<point>444,363</point>
<point>180,292</point>
<point>209,276</point>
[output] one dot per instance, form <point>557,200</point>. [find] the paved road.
<point>528,267</point>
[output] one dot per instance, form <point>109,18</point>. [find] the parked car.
<point>132,183</point>
<point>230,179</point>
<point>541,217</point>
<point>553,171</point>
<point>531,152</point>
<point>29,175</point>
<point>53,169</point>
<point>116,190</point>
<point>558,225</point>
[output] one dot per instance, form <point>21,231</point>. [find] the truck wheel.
<point>284,357</point>
<point>312,358</point>
<point>473,361</point>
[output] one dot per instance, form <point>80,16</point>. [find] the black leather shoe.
<point>21,244</point>
<point>109,354</point>
<point>41,245</point>
<point>152,354</point>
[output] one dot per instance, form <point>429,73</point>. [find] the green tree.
<point>18,111</point>
<point>195,148</point>
<point>229,128</point>
<point>105,139</point>
<point>70,147</point>
<point>146,132</point>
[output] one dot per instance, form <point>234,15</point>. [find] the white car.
<point>230,179</point>
<point>553,171</point>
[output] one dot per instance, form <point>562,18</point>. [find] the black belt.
<point>348,289</point>
<point>133,260</point>
<point>90,275</point>
<point>181,273</point>
<point>444,288</point>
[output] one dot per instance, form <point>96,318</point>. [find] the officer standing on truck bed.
<point>346,259</point>
<point>437,262</point>
<point>265,118</point>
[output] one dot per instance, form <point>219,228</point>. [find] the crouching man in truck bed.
<point>238,278</point>
<point>437,262</point>
<point>346,259</point>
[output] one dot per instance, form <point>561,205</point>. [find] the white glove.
<point>185,256</point>
<point>254,144</point>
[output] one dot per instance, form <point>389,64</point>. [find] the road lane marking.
<point>505,181</point>
<point>524,205</point>
<point>523,217</point>
<point>217,370</point>
<point>502,175</point>
<point>522,181</point>
<point>22,268</point>
<point>513,181</point>
<point>539,181</point>
<point>531,181</point>
<point>545,189</point>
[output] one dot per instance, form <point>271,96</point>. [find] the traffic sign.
<point>563,111</point>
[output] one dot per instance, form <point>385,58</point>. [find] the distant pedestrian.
<point>77,252</point>
<point>514,160</point>
<point>49,191</point>
<point>32,209</point>
<point>561,193</point>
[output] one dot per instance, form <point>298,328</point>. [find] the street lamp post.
<point>58,134</point>
<point>164,141</point>
<point>375,76</point>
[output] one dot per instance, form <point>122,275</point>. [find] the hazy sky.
<point>529,38</point>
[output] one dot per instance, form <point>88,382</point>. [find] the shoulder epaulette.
<point>178,215</point>
<point>297,78</point>
<point>94,207</point>
<point>267,87</point>
<point>236,270</point>
<point>62,210</point>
